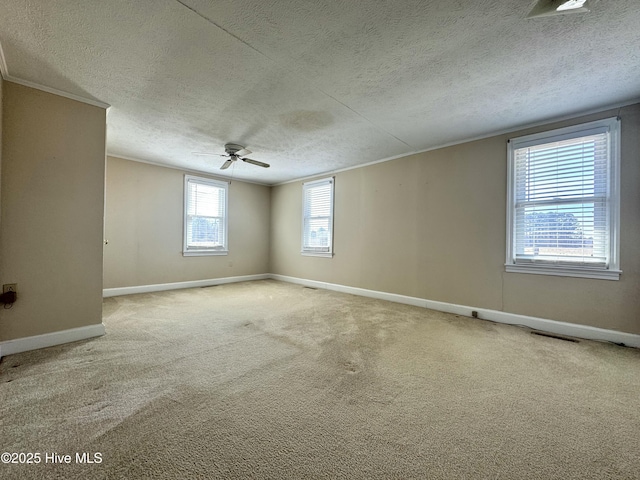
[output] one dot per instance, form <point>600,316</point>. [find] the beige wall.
<point>144,217</point>
<point>432,225</point>
<point>444,213</point>
<point>1,89</point>
<point>53,157</point>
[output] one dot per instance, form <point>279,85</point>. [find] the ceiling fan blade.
<point>226,164</point>
<point>208,154</point>
<point>256,162</point>
<point>244,151</point>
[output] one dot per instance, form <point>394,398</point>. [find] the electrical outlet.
<point>10,287</point>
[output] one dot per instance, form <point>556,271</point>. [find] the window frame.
<point>312,252</point>
<point>611,271</point>
<point>222,250</point>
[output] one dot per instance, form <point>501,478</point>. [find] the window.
<point>205,216</point>
<point>563,202</point>
<point>317,218</point>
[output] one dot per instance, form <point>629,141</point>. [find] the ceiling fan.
<point>235,152</point>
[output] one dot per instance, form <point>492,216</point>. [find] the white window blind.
<point>564,207</point>
<point>317,221</point>
<point>205,225</point>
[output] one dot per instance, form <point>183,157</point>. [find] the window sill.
<point>202,253</point>
<point>317,254</point>
<point>565,271</point>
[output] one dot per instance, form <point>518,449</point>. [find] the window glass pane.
<point>558,215</point>
<point>551,232</point>
<point>317,231</point>
<point>204,231</point>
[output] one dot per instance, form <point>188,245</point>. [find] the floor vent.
<point>555,336</point>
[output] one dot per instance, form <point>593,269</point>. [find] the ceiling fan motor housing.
<point>235,152</point>
<point>233,148</point>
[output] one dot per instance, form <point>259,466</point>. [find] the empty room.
<point>294,239</point>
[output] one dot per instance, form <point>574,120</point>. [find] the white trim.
<point>50,339</point>
<point>161,287</point>
<point>4,71</point>
<point>204,253</point>
<point>363,292</point>
<point>19,345</point>
<point>562,271</point>
<point>320,181</point>
<point>55,91</point>
<point>304,253</point>
<point>222,178</point>
<point>535,323</point>
<point>526,126</point>
<point>615,138</point>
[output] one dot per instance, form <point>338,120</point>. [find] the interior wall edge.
<point>52,181</point>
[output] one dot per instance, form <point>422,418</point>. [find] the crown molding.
<point>4,70</point>
<point>497,133</point>
<point>187,170</point>
<point>55,91</point>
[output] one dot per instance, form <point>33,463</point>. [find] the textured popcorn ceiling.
<point>315,86</point>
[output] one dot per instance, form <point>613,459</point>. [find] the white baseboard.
<point>535,323</point>
<point>363,292</point>
<point>50,339</point>
<point>160,287</point>
<point>10,347</point>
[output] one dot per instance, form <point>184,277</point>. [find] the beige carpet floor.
<point>272,380</point>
